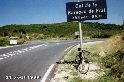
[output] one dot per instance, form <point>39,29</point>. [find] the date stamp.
<point>22,77</point>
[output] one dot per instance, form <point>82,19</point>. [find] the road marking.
<point>57,43</point>
<point>68,42</point>
<point>68,48</point>
<point>45,45</point>
<point>1,58</point>
<point>29,49</point>
<point>47,73</point>
<point>19,51</point>
<point>25,49</point>
<point>7,55</point>
<point>11,46</point>
<point>4,55</point>
<point>11,54</point>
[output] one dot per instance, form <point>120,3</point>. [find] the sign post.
<point>81,37</point>
<point>85,10</point>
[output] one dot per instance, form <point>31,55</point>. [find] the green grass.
<point>76,79</point>
<point>114,59</point>
<point>5,41</point>
<point>106,78</point>
<point>93,58</point>
<point>70,57</point>
<point>112,63</point>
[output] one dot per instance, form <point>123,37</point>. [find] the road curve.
<point>29,63</point>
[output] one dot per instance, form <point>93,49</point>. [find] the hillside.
<point>107,66</point>
<point>110,55</point>
<point>110,46</point>
<point>60,30</point>
<point>114,60</point>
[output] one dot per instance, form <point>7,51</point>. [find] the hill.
<point>56,31</point>
<point>110,55</point>
<point>67,30</point>
<point>114,61</point>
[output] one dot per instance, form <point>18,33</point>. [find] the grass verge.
<point>109,56</point>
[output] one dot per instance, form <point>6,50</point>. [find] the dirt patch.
<point>66,73</point>
<point>93,72</point>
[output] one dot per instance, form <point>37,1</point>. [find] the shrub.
<point>118,71</point>
<point>21,42</point>
<point>116,64</point>
<point>4,42</point>
<point>106,78</point>
<point>101,35</point>
<point>109,61</point>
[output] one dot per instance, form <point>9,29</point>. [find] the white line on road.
<point>57,43</point>
<point>68,48</point>
<point>4,55</point>
<point>47,73</point>
<point>1,58</point>
<point>10,54</point>
<point>11,46</point>
<point>7,55</point>
<point>45,45</point>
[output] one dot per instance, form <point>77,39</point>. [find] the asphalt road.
<point>29,63</point>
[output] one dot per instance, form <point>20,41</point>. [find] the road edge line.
<point>68,48</point>
<point>47,73</point>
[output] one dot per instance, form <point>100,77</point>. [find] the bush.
<point>119,55</point>
<point>21,42</point>
<point>4,42</point>
<point>116,64</point>
<point>118,72</point>
<point>106,78</point>
<point>101,36</point>
<point>109,61</point>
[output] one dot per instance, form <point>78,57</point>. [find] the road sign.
<point>77,33</point>
<point>13,42</point>
<point>86,10</point>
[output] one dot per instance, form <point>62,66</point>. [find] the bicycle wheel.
<point>81,67</point>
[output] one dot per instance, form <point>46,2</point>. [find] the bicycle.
<point>80,62</point>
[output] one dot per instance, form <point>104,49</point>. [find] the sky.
<point>50,11</point>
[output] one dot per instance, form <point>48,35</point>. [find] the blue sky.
<point>49,11</point>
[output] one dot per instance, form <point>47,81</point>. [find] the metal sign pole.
<point>80,30</point>
<point>81,38</point>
